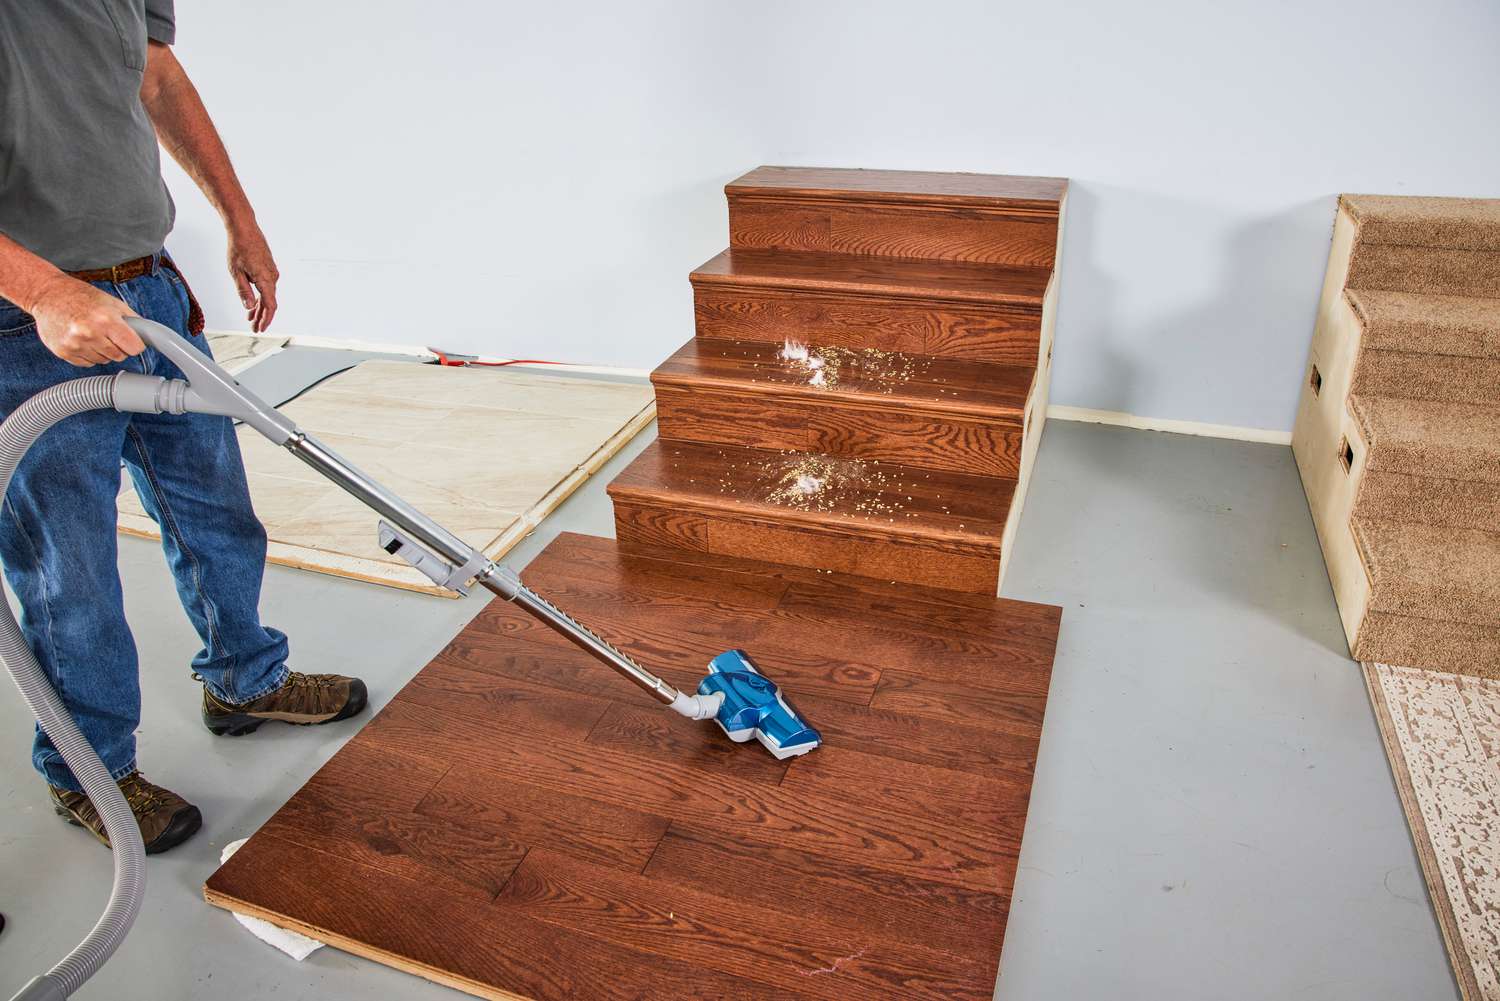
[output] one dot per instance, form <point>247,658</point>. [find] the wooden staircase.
<point>868,381</point>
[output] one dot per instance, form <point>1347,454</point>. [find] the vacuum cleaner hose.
<point>17,433</point>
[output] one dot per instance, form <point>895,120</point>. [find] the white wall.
<point>538,179</point>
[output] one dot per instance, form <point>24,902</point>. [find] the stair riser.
<point>934,232</point>
<point>1429,500</point>
<point>1425,270</point>
<point>950,330</point>
<point>644,524</point>
<point>1428,377</point>
<point>795,424</point>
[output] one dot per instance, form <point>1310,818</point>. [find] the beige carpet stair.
<point>1431,437</point>
<point>1388,496</point>
<point>1398,444</point>
<point>1398,429</point>
<point>1431,572</point>
<point>1467,326</point>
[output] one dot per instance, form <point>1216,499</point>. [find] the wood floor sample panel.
<point>520,822</point>
<point>488,453</point>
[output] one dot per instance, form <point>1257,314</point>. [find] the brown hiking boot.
<point>166,818</point>
<point>305,700</point>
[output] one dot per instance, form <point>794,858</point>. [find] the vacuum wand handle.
<point>212,390</point>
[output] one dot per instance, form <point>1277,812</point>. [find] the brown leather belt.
<point>119,272</point>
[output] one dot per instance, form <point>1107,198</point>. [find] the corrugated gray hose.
<point>22,428</point>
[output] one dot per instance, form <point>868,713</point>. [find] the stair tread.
<point>965,281</point>
<point>902,186</point>
<point>1467,326</point>
<point>1431,571</point>
<point>911,382</point>
<point>1415,221</point>
<point>1430,437</point>
<point>857,497</point>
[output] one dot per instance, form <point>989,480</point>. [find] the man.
<point>83,215</point>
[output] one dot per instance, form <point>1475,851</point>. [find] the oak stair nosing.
<point>1018,210</point>
<point>967,543</point>
<point>871,288</point>
<point>647,481</point>
<point>900,187</point>
<point>1007,417</point>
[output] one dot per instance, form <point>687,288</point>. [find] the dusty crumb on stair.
<point>869,369</point>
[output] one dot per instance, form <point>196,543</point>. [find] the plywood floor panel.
<point>593,845</point>
<point>485,453</point>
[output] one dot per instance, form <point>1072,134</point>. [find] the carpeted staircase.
<point>1398,430</point>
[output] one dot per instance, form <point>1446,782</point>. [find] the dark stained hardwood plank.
<point>984,448</point>
<point>923,280</point>
<point>912,383</point>
<point>682,641</point>
<point>663,528</point>
<point>541,712</point>
<point>1006,648</point>
<point>993,334</point>
<point>960,702</point>
<point>985,802</point>
<point>860,898</point>
<point>488,950</point>
<point>959,217</point>
<point>1005,236</point>
<point>520,789</point>
<point>830,825</point>
<point>534,816</point>
<point>877,590</point>
<point>784,950</point>
<point>647,731</point>
<point>361,805</point>
<point>880,501</point>
<point>873,518</point>
<point>893,560</point>
<point>920,186</point>
<point>843,722</point>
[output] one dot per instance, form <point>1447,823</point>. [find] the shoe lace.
<point>140,794</point>
<point>300,680</point>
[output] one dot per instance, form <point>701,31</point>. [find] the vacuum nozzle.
<point>753,706</point>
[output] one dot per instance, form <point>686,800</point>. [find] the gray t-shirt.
<point>80,171</point>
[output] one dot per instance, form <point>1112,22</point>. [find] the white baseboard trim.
<point>1118,419</point>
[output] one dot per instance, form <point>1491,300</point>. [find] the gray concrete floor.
<point>1213,816</point>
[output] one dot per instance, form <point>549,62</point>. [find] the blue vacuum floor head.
<point>754,707</point>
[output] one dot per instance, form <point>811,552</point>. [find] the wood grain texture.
<point>887,520</point>
<point>520,822</point>
<point>925,281</point>
<point>873,380</point>
<point>912,214</point>
<point>998,334</point>
<point>1043,194</point>
<point>843,426</point>
<point>984,236</point>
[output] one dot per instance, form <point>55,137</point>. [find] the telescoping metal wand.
<point>404,531</point>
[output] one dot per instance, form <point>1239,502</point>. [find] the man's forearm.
<point>23,274</point>
<point>185,130</point>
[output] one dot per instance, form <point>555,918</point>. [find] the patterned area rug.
<point>1442,734</point>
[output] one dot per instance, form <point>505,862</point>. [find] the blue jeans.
<point>58,544</point>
